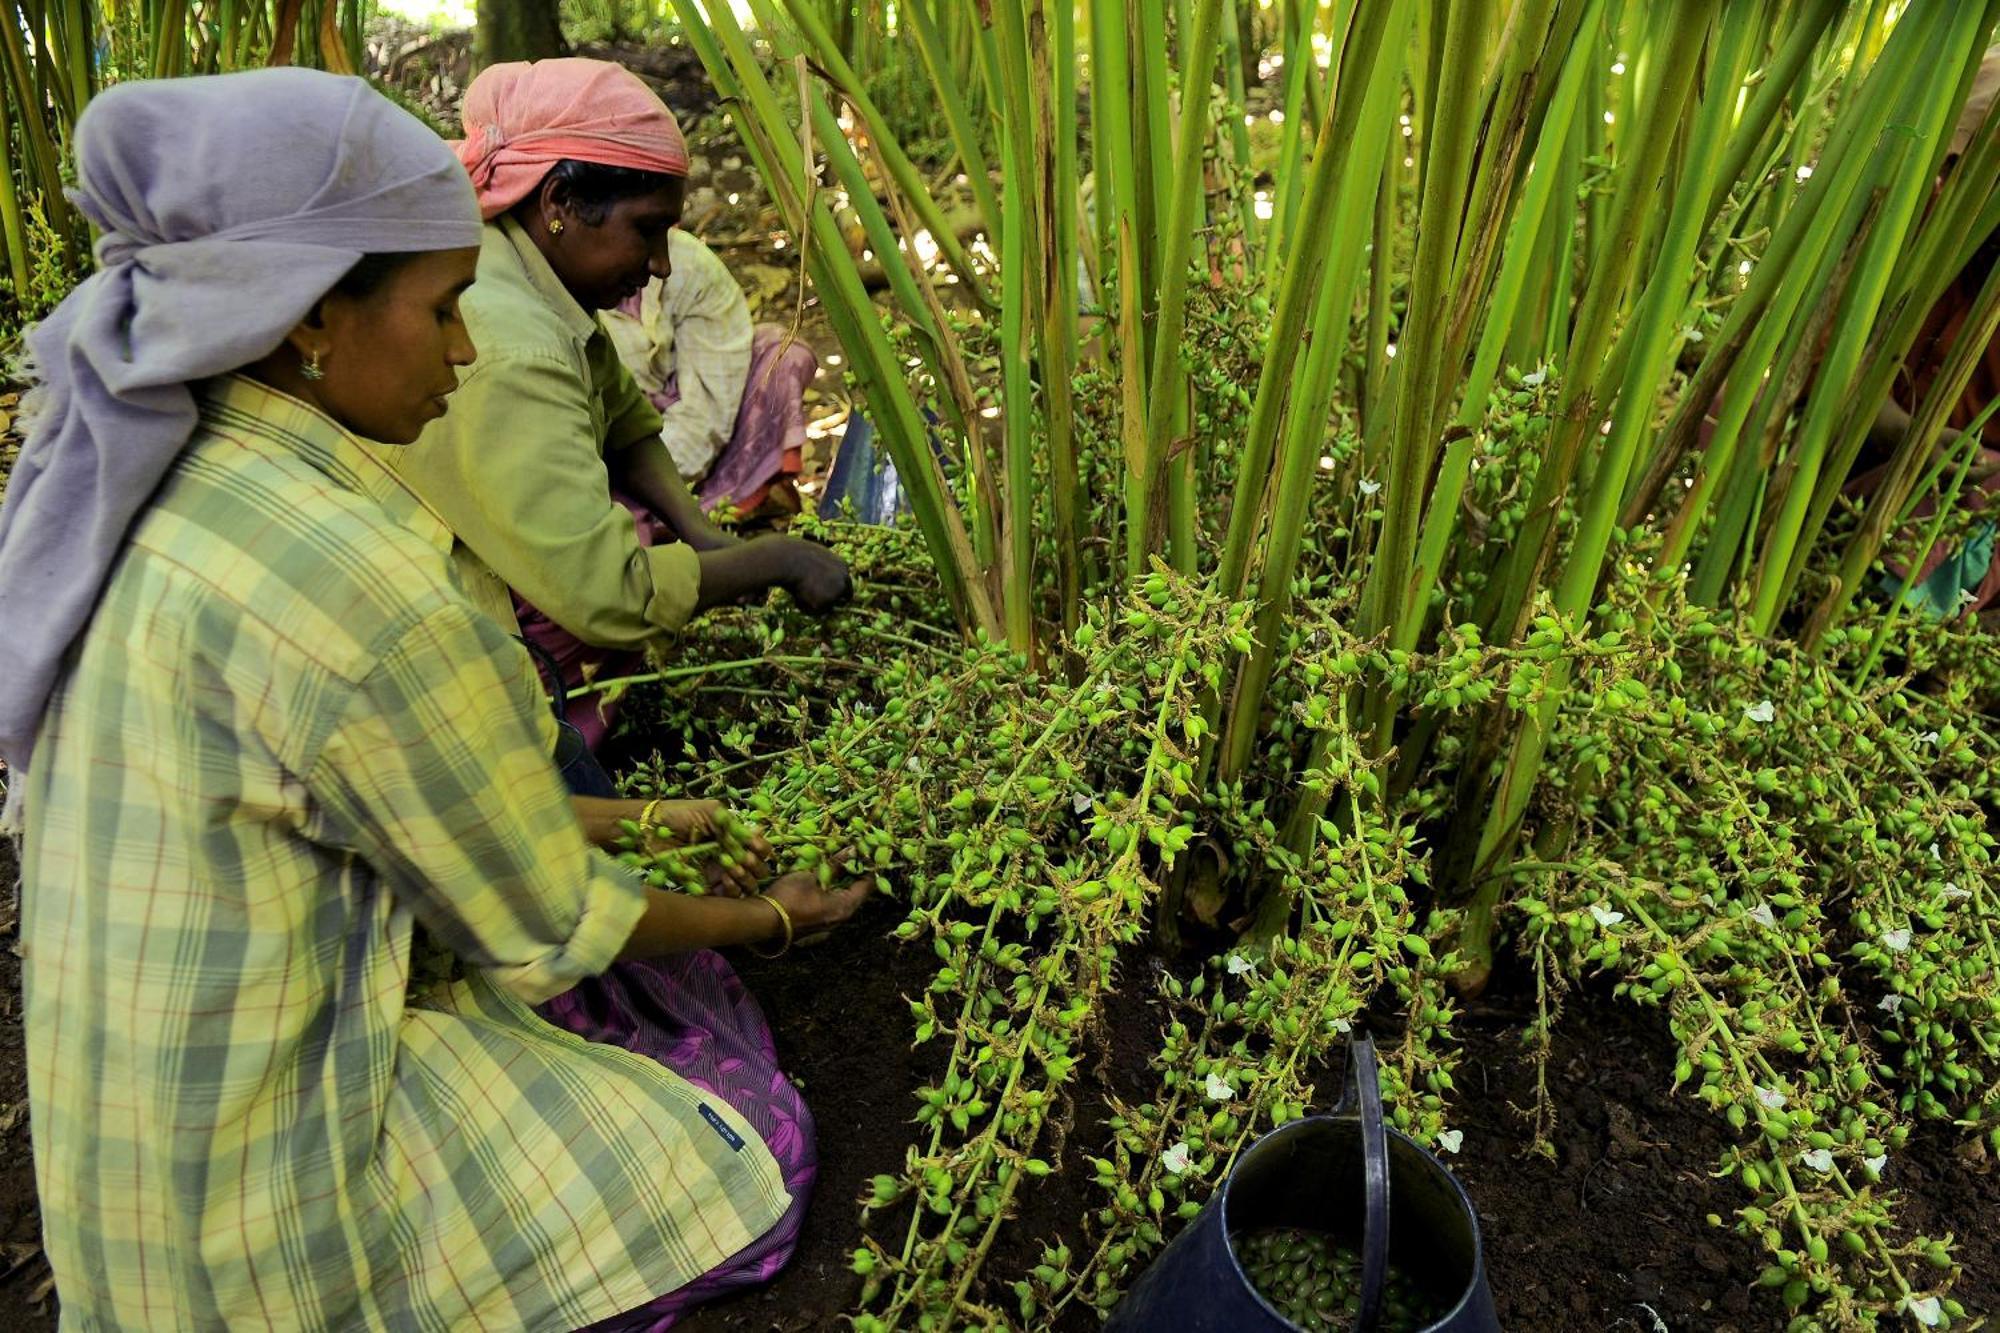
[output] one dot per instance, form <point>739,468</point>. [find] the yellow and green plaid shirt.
<point>284,739</point>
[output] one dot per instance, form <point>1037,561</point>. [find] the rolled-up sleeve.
<point>435,775</point>
<point>515,470</point>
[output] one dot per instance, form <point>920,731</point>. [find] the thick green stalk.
<point>1745,464</point>
<point>1654,332</point>
<point>1451,140</point>
<point>1757,445</point>
<point>1522,250</point>
<point>1169,376</point>
<point>1558,311</point>
<point>907,178</point>
<point>1741,412</point>
<point>1363,45</point>
<point>1152,142</point>
<point>1381,269</point>
<point>1239,133</point>
<point>1286,183</point>
<point>1511,121</point>
<point>43,160</point>
<point>1515,98</point>
<point>11,221</point>
<point>1659,315</point>
<point>882,238</point>
<point>1783,557</point>
<point>987,58</point>
<point>1426,65</point>
<point>1305,427</point>
<point>1580,405</point>
<point>1552,167</point>
<point>1118,231</point>
<point>1110,125</point>
<point>43,25</point>
<point>957,114</point>
<point>1525,42</point>
<point>78,40</point>
<point>1132,399</point>
<point>1052,74</point>
<point>1017,322</point>
<point>1591,132</point>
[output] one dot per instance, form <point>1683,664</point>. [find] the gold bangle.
<point>784,919</point>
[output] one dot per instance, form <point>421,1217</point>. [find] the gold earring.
<point>311,369</point>
<point>555,226</point>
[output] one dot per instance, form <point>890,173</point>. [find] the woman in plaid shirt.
<point>258,735</point>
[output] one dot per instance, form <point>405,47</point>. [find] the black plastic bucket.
<point>581,772</point>
<point>1349,1175</point>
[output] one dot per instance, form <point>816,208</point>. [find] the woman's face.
<point>391,357</point>
<point>603,262</point>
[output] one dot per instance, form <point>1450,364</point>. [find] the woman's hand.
<point>813,909</point>
<point>816,577</point>
<point>677,922</point>
<point>736,866</point>
<point>683,822</point>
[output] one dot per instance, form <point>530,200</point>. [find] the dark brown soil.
<point>1615,1226</point>
<point>1613,1234</point>
<point>1610,1235</point>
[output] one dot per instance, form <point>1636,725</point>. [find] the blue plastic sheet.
<point>863,478</point>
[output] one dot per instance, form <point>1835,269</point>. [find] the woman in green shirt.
<point>571,515</point>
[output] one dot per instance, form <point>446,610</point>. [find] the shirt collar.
<point>240,404</point>
<point>544,281</point>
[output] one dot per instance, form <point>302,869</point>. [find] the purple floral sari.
<point>692,1014</point>
<point>770,436</point>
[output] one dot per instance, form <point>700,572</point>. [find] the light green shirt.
<point>518,465</point>
<point>284,739</point>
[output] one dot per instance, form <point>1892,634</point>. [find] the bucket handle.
<point>1363,1097</point>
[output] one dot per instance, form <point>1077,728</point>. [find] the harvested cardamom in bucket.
<point>1314,1279</point>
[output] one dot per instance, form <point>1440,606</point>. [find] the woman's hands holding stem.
<point>737,868</point>
<point>676,922</point>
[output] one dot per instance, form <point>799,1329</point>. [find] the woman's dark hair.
<point>592,188</point>
<point>370,274</point>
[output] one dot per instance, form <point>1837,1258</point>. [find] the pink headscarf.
<point>523,118</point>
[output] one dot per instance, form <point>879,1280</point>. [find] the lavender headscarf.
<point>229,206</point>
